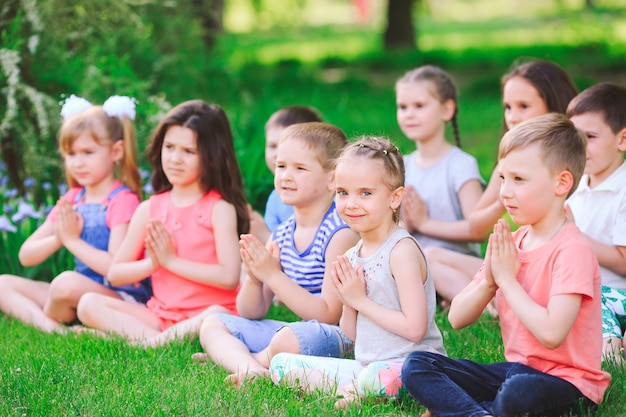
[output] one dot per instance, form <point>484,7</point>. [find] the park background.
<point>251,57</point>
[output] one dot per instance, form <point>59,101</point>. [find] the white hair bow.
<point>114,106</point>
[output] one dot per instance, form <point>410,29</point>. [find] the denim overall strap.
<point>95,230</point>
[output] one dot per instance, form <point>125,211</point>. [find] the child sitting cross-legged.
<point>388,296</point>
<point>294,266</point>
<point>546,281</point>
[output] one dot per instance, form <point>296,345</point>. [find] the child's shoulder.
<point>457,154</point>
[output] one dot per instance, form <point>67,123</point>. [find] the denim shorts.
<point>314,338</point>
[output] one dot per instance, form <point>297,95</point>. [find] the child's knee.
<point>285,340</point>
<point>66,288</point>
<point>87,304</point>
<point>6,283</point>
<point>211,326</point>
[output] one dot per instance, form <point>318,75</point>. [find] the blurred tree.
<point>210,14</point>
<point>400,30</point>
<point>26,115</point>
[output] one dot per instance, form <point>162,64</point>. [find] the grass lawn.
<point>82,375</point>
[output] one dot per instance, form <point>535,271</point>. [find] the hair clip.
<point>384,151</point>
<point>120,106</point>
<point>74,105</point>
<point>361,145</point>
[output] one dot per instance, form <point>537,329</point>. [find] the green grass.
<point>82,375</point>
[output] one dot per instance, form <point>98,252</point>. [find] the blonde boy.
<point>546,281</point>
<point>276,211</point>
<point>295,265</point>
<point>598,206</point>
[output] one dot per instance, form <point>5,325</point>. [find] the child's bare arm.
<point>68,229</point>
<point>347,322</point>
<point>469,304</point>
<point>126,268</point>
<point>610,257</point>
<point>469,195</point>
<point>254,299</point>
<point>40,245</point>
<point>551,324</point>
<point>225,273</point>
<point>327,307</point>
<point>408,267</point>
<point>488,210</point>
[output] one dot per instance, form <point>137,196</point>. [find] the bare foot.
<point>347,397</point>
<point>79,328</point>
<point>200,357</point>
<point>238,379</point>
<point>427,414</point>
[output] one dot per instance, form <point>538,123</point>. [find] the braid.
<point>455,130</point>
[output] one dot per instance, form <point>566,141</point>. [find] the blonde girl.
<point>90,220</point>
<point>528,90</point>
<point>383,282</point>
<point>189,229</point>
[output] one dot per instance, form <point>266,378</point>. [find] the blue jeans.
<point>462,388</point>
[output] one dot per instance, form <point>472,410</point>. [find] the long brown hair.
<point>216,150</point>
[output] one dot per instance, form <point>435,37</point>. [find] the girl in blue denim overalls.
<point>90,220</point>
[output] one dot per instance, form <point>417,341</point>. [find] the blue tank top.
<point>96,233</point>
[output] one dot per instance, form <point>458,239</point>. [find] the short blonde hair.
<point>563,147</point>
<point>326,140</point>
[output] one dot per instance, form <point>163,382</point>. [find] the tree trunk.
<point>210,13</point>
<point>400,31</point>
<point>11,154</point>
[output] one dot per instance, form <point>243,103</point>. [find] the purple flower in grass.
<point>24,210</point>
<point>10,193</point>
<point>7,209</point>
<point>29,182</point>
<point>63,188</point>
<point>6,225</point>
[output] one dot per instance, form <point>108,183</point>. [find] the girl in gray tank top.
<point>387,294</point>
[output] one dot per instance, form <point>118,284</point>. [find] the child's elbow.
<point>113,276</point>
<point>232,285</point>
<point>416,335</point>
<point>552,341</point>
<point>25,260</point>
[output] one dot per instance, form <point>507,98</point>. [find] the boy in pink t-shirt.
<point>546,281</point>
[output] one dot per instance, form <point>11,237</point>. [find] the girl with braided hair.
<point>440,177</point>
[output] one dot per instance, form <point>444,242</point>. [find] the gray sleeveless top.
<point>374,343</point>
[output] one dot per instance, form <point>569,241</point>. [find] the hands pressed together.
<point>160,244</point>
<point>259,261</point>
<point>68,224</point>
<point>349,282</point>
<point>414,210</point>
<point>501,258</point>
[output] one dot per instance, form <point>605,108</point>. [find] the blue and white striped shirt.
<point>307,268</point>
